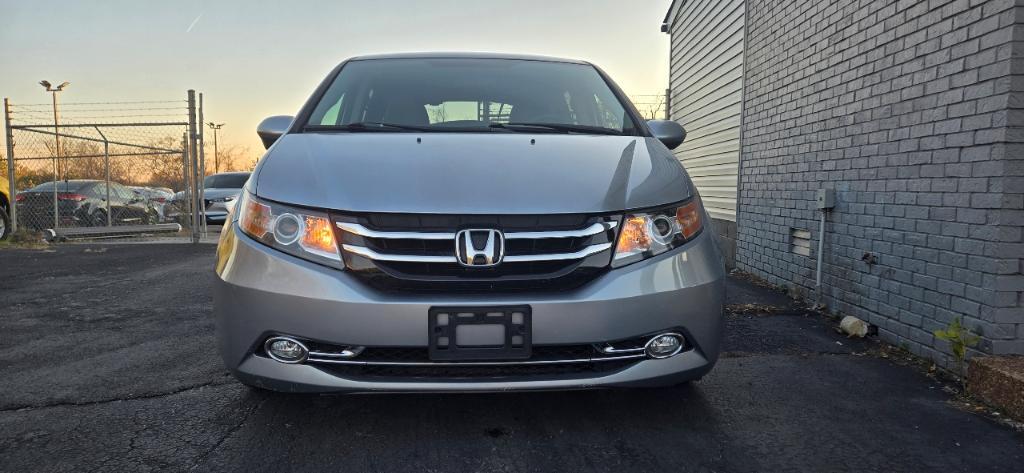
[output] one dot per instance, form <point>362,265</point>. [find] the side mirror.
<point>270,129</point>
<point>668,132</point>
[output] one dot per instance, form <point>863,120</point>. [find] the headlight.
<point>304,233</point>
<point>645,234</point>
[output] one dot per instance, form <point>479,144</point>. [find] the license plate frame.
<point>443,323</point>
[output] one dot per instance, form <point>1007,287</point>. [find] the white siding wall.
<point>706,83</point>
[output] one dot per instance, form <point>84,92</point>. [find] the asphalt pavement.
<point>108,362</point>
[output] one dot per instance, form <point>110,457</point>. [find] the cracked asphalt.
<point>107,362</point>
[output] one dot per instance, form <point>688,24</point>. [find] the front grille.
<point>411,252</point>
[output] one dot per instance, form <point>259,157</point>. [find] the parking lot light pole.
<point>216,159</point>
<point>56,139</point>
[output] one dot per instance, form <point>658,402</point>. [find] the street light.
<point>216,160</point>
<point>56,141</point>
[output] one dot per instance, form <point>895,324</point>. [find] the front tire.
<point>98,219</point>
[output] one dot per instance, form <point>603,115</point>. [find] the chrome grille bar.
<point>590,250</point>
<point>368,253</point>
<point>360,230</point>
<point>583,232</point>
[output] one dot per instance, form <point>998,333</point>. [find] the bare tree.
<point>651,107</point>
<point>232,158</point>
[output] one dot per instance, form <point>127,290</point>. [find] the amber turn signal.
<point>689,220</point>
<point>634,237</point>
<point>255,218</point>
<point>319,237</point>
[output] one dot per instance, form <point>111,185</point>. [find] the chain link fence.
<point>105,168</point>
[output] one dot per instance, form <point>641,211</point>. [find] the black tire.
<point>98,219</point>
<point>5,224</point>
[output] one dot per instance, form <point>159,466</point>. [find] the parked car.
<point>157,198</point>
<point>82,202</point>
<point>220,191</point>
<point>468,222</point>
<point>5,209</point>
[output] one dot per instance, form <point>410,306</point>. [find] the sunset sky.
<point>258,58</point>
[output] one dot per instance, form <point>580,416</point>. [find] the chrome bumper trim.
<point>608,349</point>
<point>343,354</point>
<point>310,359</point>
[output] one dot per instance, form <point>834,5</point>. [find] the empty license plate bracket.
<point>480,333</point>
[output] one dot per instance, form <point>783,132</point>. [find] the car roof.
<point>235,173</point>
<point>465,55</point>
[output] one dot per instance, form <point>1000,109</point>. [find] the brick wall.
<point>912,112</point>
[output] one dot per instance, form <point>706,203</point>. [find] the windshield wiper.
<point>367,126</point>
<point>555,128</point>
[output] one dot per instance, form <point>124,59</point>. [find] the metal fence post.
<point>194,158</point>
<point>56,162</point>
<point>10,166</point>
<point>106,168</point>
<point>186,186</point>
<point>202,159</point>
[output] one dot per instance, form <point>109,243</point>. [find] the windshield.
<point>225,181</point>
<point>470,94</point>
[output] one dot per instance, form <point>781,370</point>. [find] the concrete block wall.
<point>913,112</point>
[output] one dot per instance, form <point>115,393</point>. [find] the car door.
<point>100,209</point>
<point>135,205</point>
<point>120,204</point>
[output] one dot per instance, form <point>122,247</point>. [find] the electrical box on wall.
<point>826,198</point>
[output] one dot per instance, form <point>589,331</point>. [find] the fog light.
<point>286,350</point>
<point>664,345</point>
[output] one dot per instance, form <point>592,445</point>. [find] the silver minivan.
<point>468,222</point>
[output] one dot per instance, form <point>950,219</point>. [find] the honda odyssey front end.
<point>468,222</point>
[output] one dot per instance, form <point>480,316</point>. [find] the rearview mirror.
<point>271,128</point>
<point>668,132</point>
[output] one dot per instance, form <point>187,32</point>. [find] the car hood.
<point>471,173</point>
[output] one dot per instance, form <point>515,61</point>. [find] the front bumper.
<point>260,291</point>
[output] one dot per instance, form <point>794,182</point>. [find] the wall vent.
<point>800,241</point>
